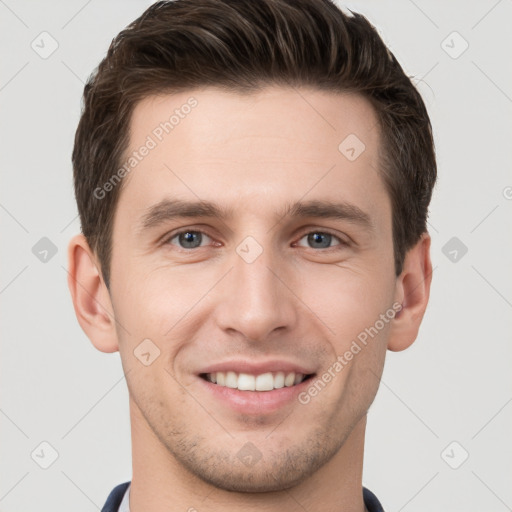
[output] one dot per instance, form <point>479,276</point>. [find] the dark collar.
<point>116,496</point>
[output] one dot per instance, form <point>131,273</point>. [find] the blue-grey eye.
<point>189,239</point>
<point>321,240</point>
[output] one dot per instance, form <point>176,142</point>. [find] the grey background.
<point>452,385</point>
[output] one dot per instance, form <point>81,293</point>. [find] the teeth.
<point>231,380</point>
<point>279,380</point>
<point>246,382</point>
<point>289,380</point>
<point>263,382</point>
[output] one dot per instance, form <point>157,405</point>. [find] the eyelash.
<point>342,243</point>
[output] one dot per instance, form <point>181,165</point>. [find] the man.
<point>253,180</point>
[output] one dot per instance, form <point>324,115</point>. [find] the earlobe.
<point>412,291</point>
<point>90,296</point>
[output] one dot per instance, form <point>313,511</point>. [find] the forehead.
<point>210,118</point>
<point>250,151</point>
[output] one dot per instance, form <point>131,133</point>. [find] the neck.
<point>161,484</point>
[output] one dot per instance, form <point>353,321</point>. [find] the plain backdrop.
<point>438,434</point>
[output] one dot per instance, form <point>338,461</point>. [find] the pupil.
<point>317,238</point>
<point>187,239</point>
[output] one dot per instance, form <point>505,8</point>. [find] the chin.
<point>249,480</point>
<point>249,470</point>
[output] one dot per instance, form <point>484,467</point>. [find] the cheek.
<point>157,396</point>
<point>165,303</point>
<point>348,301</point>
<point>157,302</point>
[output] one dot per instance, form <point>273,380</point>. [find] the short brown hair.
<point>242,46</point>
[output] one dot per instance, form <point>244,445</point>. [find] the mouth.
<point>255,388</point>
<point>267,381</point>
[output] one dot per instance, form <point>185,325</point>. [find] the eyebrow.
<point>171,209</point>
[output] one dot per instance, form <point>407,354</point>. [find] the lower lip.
<point>255,402</point>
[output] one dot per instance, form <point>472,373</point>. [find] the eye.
<point>188,239</point>
<point>322,239</point>
<point>193,239</point>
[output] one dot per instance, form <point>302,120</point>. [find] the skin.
<point>296,301</point>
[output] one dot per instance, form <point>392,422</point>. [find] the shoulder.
<point>371,502</point>
<point>115,497</point>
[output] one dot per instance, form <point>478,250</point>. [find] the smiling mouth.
<point>263,382</point>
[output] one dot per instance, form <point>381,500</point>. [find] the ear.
<point>91,298</point>
<point>412,291</point>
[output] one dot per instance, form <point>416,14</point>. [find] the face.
<point>273,281</point>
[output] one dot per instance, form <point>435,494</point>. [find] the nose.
<point>258,301</point>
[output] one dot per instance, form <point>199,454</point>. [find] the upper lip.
<point>256,368</point>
